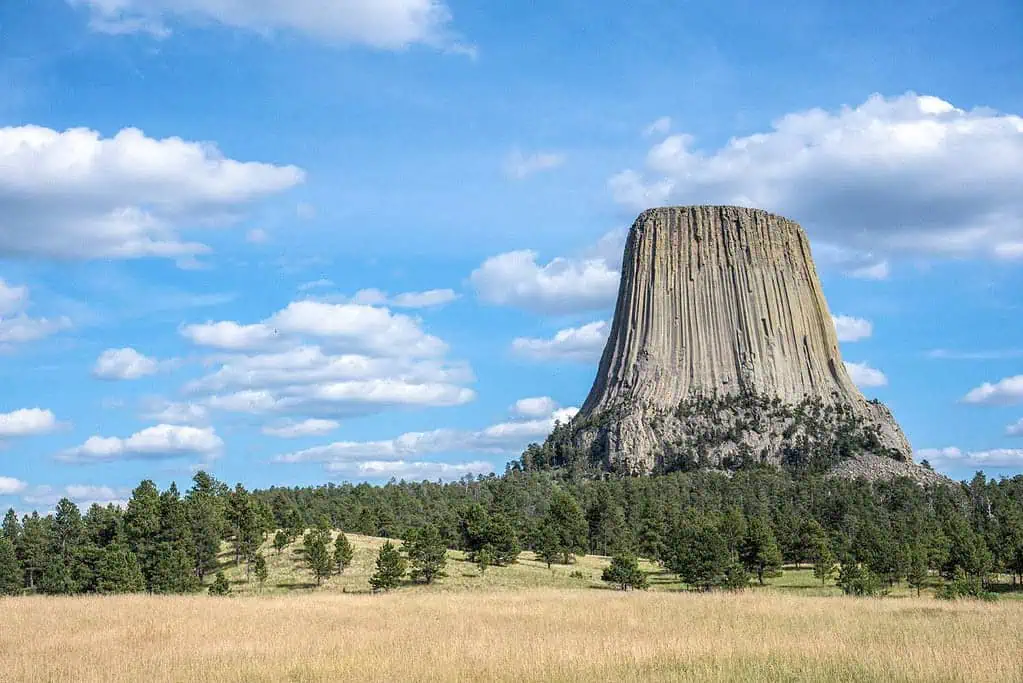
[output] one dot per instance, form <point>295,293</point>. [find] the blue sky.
<point>306,240</point>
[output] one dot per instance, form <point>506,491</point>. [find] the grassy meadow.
<point>518,623</point>
<point>527,635</point>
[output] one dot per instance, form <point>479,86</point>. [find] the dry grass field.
<point>526,635</point>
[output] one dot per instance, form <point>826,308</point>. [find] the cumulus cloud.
<point>353,457</point>
<point>16,325</point>
<point>324,360</point>
<point>409,471</point>
<point>429,299</point>
<point>908,174</point>
<point>124,364</point>
<point>161,441</point>
<point>293,429</point>
<point>27,422</point>
<point>1015,429</point>
<point>178,413</point>
<point>578,344</point>
<point>563,285</point>
<point>390,25</point>
<point>520,165</point>
<point>1005,392</point>
<point>10,486</point>
<point>83,495</point>
<point>537,406</point>
<point>943,458</point>
<point>864,376</point>
<point>851,329</point>
<point>76,195</point>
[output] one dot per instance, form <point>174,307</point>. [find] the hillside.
<point>287,574</point>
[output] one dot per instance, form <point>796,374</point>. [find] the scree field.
<point>517,623</point>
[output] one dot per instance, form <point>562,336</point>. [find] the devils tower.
<point>722,352</point>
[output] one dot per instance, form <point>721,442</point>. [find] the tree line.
<point>714,531</point>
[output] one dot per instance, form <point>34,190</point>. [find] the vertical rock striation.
<point>717,302</point>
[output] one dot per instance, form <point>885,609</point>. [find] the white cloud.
<point>864,376</point>
<point>16,326</point>
<point>177,413</point>
<point>539,406</point>
<point>27,422</point>
<point>384,24</point>
<point>10,486</point>
<point>579,344</point>
<point>661,126</point>
<point>229,335</point>
<point>428,299</point>
<point>851,329</point>
<point>294,430</point>
<point>83,495</point>
<point>1015,429</point>
<point>410,471</point>
<point>1004,392</point>
<point>519,165</point>
<point>505,437</point>
<point>77,195</point>
<point>323,360</point>
<point>161,441</point>
<point>124,364</point>
<point>873,271</point>
<point>564,285</point>
<point>943,458</point>
<point>909,174</point>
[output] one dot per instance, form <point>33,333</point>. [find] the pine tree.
<point>567,519</point>
<point>62,572</point>
<point>624,572</point>
<point>917,573</point>
<point>12,582</point>
<point>733,529</point>
<point>317,557</point>
<point>484,559</point>
<point>119,571</point>
<point>502,539</point>
<point>811,538</point>
<point>343,552</point>
<point>651,534</point>
<point>173,570</point>
<point>11,529</point>
<point>142,526</point>
<point>281,541</point>
<point>391,568</point>
<point>32,547</point>
<point>426,553</point>
<point>699,554</point>
<point>220,585</point>
<point>547,545</point>
<point>823,560</point>
<point>206,518</point>
<point>260,569</point>
<point>760,552</point>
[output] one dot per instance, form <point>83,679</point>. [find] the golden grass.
<point>526,635</point>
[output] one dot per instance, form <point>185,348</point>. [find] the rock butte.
<point>716,300</point>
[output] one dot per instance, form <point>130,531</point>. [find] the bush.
<point>220,585</point>
<point>624,571</point>
<point>855,579</point>
<point>965,587</point>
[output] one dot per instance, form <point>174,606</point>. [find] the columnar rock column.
<point>716,300</point>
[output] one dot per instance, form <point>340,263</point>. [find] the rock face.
<point>722,348</point>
